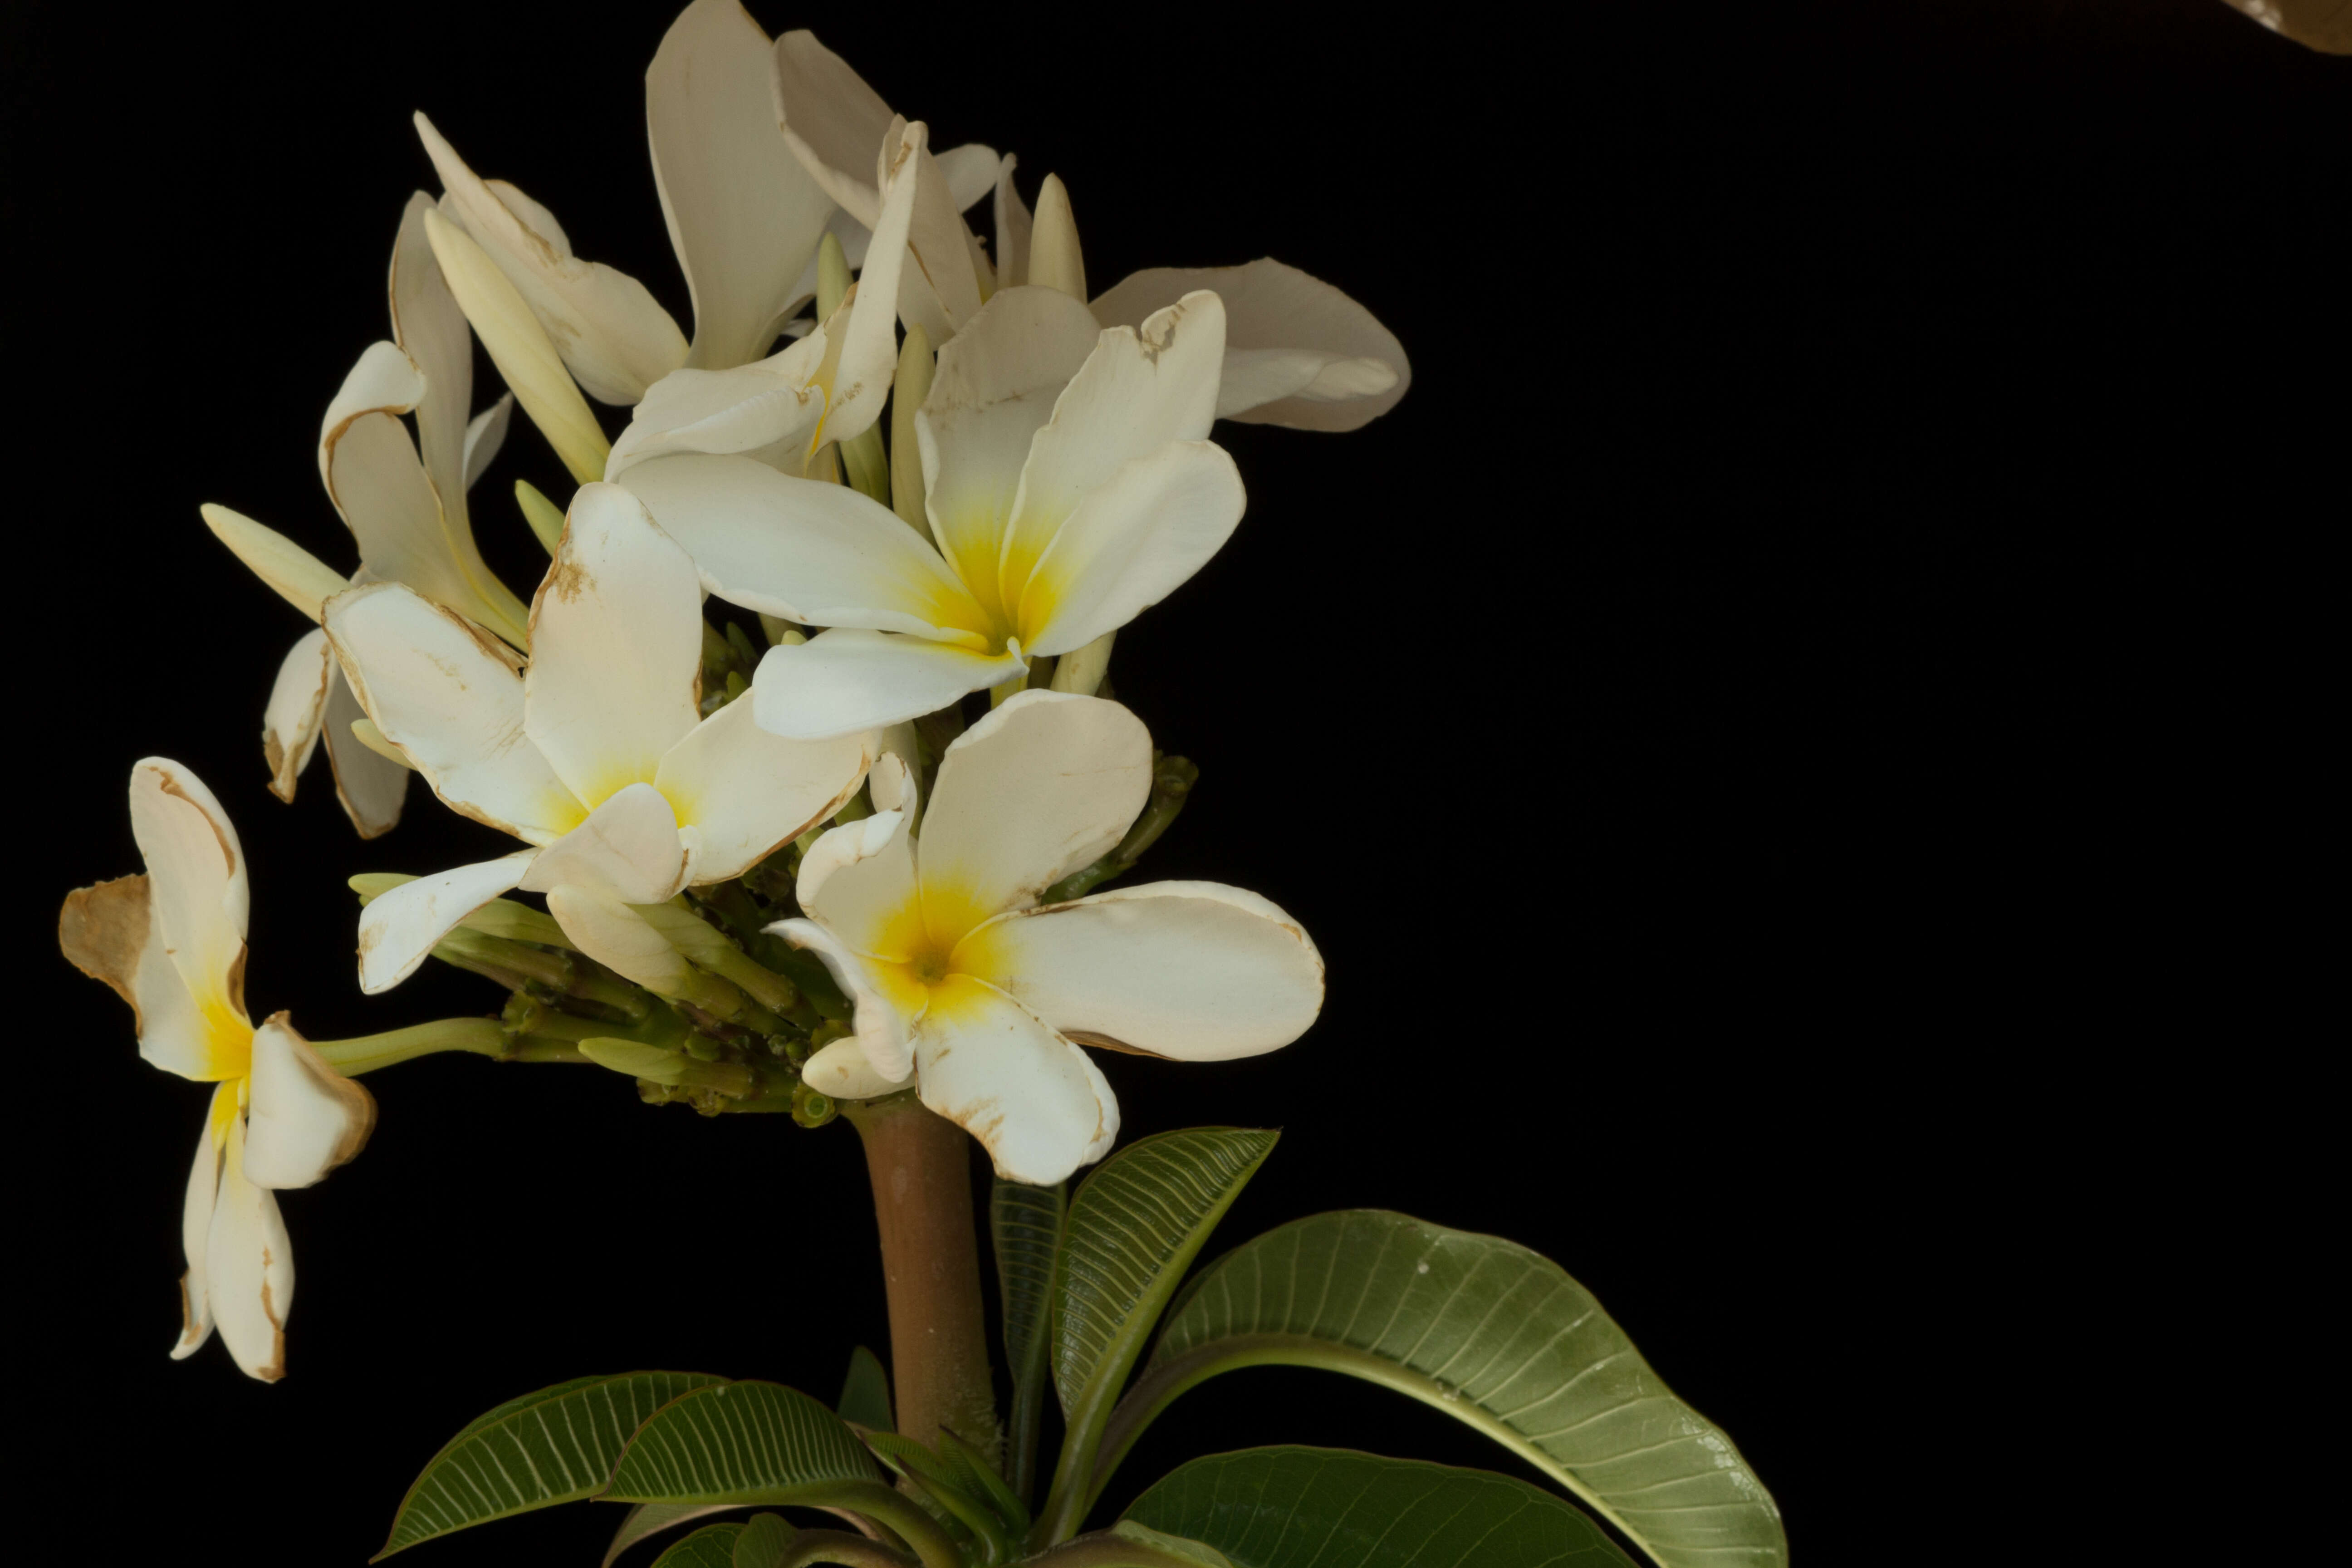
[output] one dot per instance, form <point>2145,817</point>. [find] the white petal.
<point>845,681</point>
<point>196,1222</point>
<point>1278,322</point>
<point>300,578</point>
<point>1196,971</point>
<point>841,1070</point>
<point>970,173</point>
<point>942,243</point>
<point>384,380</point>
<point>303,1117</point>
<point>431,330</point>
<point>372,788</point>
<point>743,215</point>
<point>831,121</point>
<point>612,335</point>
<point>766,412</point>
<point>1130,543</point>
<point>993,390</point>
<point>818,553</point>
<point>1013,224</point>
<point>197,902</point>
<point>858,882</point>
<point>631,847</point>
<point>892,782</point>
<point>445,694</point>
<point>485,435</point>
<point>749,792</point>
<point>1033,1099</point>
<point>1138,390</point>
<point>289,725</point>
<point>1044,785</point>
<point>883,1015</point>
<point>249,1266</point>
<point>379,485</point>
<point>398,929</point>
<point>616,647</point>
<point>617,937</point>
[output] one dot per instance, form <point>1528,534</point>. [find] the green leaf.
<point>866,1392</point>
<point>764,1541</point>
<point>712,1546</point>
<point>1134,1227</point>
<point>555,1446</point>
<point>1488,1333</point>
<point>648,1519</point>
<point>738,1442</point>
<point>1290,1508</point>
<point>1025,1223</point>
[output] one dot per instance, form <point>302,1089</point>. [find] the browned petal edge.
<point>188,1338</point>
<point>857,783</point>
<point>359,1105</point>
<point>1105,1043</point>
<point>102,930</point>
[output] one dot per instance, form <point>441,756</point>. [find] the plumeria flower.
<point>595,755</point>
<point>1298,352</point>
<point>962,983</point>
<point>1067,484</point>
<point>405,508</point>
<point>744,217</point>
<point>172,943</point>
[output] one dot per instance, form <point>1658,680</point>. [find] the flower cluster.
<point>855,862</point>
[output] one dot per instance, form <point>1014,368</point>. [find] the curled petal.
<point>617,937</point>
<point>991,1066</point>
<point>1298,352</point>
<point>859,881</point>
<point>196,902</point>
<point>631,847</point>
<point>303,1117</point>
<point>249,1266</point>
<point>298,701</point>
<point>196,1223</point>
<point>843,681</point>
<point>885,1007</point>
<point>372,787</point>
<point>841,1070</point>
<point>1195,970</point>
<point>399,928</point>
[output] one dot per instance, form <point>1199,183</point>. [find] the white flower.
<point>173,943</point>
<point>962,982</point>
<point>1297,351</point>
<point>596,756</point>
<point>407,512</point>
<point>1067,484</point>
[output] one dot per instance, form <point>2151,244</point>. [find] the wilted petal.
<point>431,330</point>
<point>108,932</point>
<point>616,647</point>
<point>379,485</point>
<point>196,1222</point>
<point>249,1266</point>
<point>1033,1099</point>
<point>197,900</point>
<point>612,335</point>
<point>841,1070</point>
<point>993,390</point>
<point>818,553</point>
<point>631,847</point>
<point>943,287</point>
<point>298,701</point>
<point>300,578</point>
<point>1196,971</point>
<point>859,881</point>
<point>1129,543</point>
<point>399,928</point>
<point>1138,390</point>
<point>1013,224</point>
<point>743,215</point>
<point>1043,786</point>
<point>885,1004</point>
<point>372,788</point>
<point>445,694</point>
<point>831,121</point>
<point>749,792</point>
<point>303,1117</point>
<point>1298,352</point>
<point>841,681</point>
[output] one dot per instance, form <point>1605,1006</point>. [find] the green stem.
<point>839,1546</point>
<point>482,1036</point>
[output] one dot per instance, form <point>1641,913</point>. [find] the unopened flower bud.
<point>1055,261</point>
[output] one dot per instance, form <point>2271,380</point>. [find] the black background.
<point>1738,731</point>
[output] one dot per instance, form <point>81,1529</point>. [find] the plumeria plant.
<point>868,863</point>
